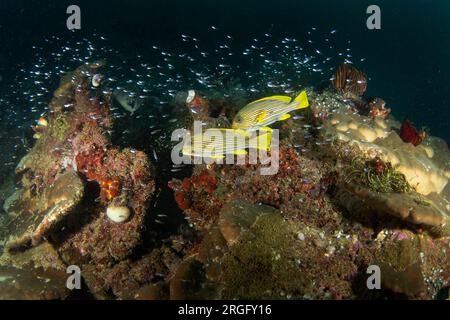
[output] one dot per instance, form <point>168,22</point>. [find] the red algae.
<point>409,134</point>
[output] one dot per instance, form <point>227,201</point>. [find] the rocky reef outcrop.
<point>349,194</point>
<point>69,179</point>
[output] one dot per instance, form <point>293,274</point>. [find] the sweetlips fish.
<point>266,111</point>
<point>216,143</point>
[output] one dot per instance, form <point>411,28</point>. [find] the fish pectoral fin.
<point>285,117</point>
<point>302,100</point>
<point>268,129</point>
<point>260,117</point>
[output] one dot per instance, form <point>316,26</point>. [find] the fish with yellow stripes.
<point>266,111</point>
<point>216,143</point>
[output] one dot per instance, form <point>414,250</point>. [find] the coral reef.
<point>71,176</point>
<point>348,192</point>
<point>352,190</point>
<point>423,170</point>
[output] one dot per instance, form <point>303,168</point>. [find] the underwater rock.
<point>401,205</point>
<point>211,251</point>
<point>271,261</point>
<point>32,284</point>
<point>238,216</point>
<point>350,80</point>
<point>42,256</point>
<point>404,268</point>
<point>126,278</point>
<point>97,237</point>
<point>409,281</point>
<point>32,218</point>
<point>190,282</point>
<point>159,291</point>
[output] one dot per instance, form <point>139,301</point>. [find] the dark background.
<point>408,61</point>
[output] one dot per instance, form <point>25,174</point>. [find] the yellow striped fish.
<point>266,111</point>
<point>216,143</point>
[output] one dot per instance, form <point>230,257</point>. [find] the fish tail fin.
<point>302,100</point>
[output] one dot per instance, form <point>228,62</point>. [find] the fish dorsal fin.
<point>285,99</point>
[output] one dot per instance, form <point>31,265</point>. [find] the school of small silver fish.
<point>266,65</point>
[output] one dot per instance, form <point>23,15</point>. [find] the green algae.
<point>387,180</point>
<point>261,264</point>
<point>60,128</point>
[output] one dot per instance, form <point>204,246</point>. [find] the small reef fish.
<point>266,111</point>
<point>216,143</point>
<point>127,101</point>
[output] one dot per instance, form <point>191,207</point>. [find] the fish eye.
<point>239,119</point>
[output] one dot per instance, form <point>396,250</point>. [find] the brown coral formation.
<point>32,217</point>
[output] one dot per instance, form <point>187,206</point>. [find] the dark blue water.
<point>408,61</point>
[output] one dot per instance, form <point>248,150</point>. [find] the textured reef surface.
<point>354,188</point>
